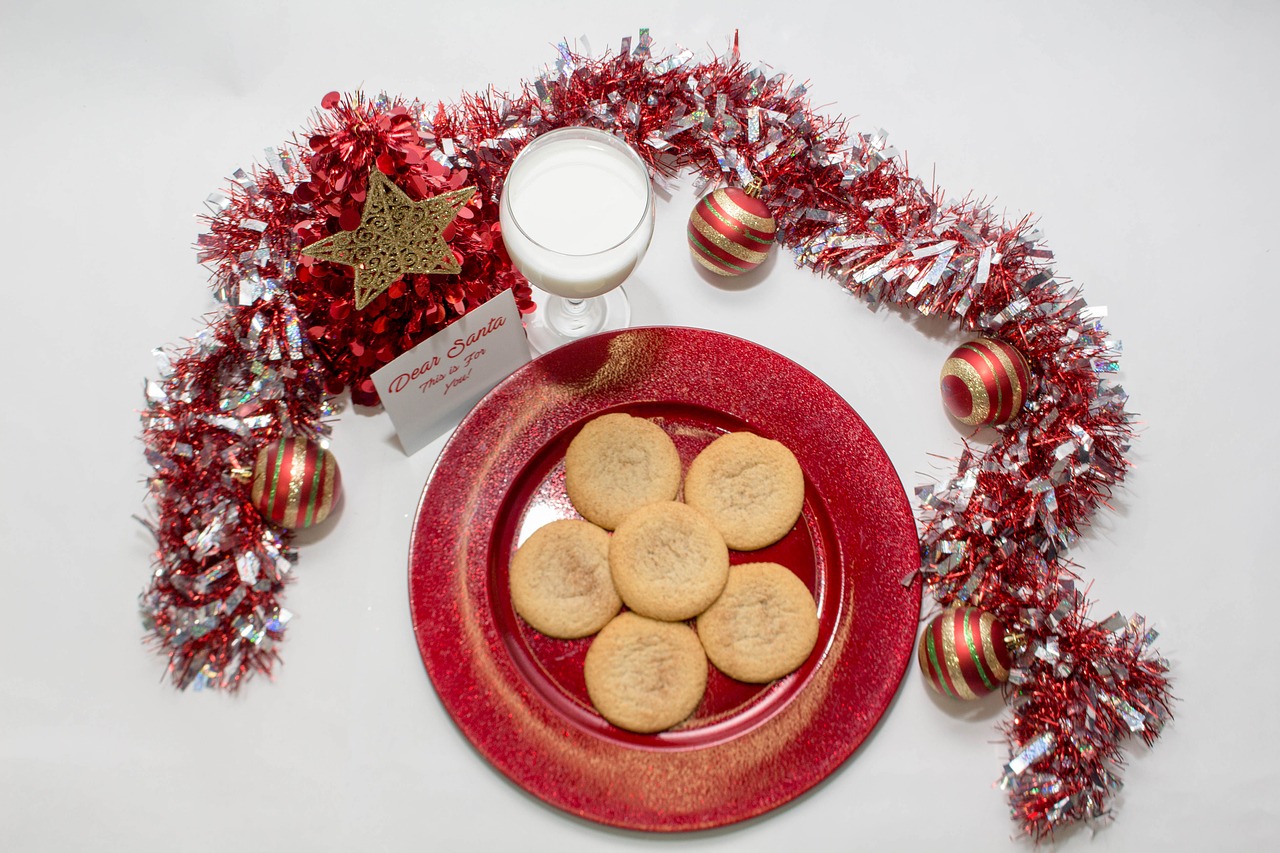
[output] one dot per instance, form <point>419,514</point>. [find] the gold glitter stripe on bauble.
<point>330,480</point>
<point>953,660</point>
<point>984,352</point>
<point>972,645</point>
<point>1010,370</point>
<point>297,473</point>
<point>989,640</point>
<point>259,477</point>
<point>748,219</point>
<point>723,242</point>
<point>314,493</point>
<point>718,269</point>
<point>981,404</point>
<point>934,668</point>
<point>707,211</point>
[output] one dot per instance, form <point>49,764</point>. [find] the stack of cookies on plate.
<point>667,561</point>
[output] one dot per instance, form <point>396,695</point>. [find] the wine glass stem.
<point>575,317</point>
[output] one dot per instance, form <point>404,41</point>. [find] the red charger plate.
<point>519,697</point>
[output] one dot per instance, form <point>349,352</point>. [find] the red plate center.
<point>554,668</point>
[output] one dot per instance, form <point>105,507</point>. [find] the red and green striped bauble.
<point>295,482</point>
<point>964,653</point>
<point>730,231</point>
<point>985,382</point>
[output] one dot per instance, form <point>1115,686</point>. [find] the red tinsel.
<point>994,535</point>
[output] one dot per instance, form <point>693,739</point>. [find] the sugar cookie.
<point>618,463</point>
<point>752,489</point>
<point>560,580</point>
<point>763,626</point>
<point>668,561</point>
<point>644,675</point>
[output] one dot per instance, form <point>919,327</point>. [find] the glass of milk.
<point>577,216</point>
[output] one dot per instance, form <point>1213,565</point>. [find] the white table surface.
<point>1141,134</point>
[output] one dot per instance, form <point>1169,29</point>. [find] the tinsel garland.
<point>288,341</point>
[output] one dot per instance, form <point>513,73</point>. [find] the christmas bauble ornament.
<point>964,653</point>
<point>985,382</point>
<point>730,231</point>
<point>295,482</point>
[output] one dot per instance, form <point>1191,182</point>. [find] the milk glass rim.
<point>609,139</point>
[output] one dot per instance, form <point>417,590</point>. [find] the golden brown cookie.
<point>668,561</point>
<point>644,675</point>
<point>763,626</point>
<point>752,489</point>
<point>618,463</point>
<point>560,580</point>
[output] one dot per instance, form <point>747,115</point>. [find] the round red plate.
<point>519,697</point>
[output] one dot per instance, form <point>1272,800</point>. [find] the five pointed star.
<point>397,236</point>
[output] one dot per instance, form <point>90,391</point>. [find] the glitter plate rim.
<point>691,779</point>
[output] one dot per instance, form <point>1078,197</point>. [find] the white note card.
<point>451,370</point>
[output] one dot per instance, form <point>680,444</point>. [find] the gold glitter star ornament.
<point>397,236</point>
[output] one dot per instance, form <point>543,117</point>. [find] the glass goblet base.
<point>559,320</point>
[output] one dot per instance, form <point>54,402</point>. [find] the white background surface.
<point>1142,134</point>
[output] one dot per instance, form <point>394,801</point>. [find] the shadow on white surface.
<point>745,281</point>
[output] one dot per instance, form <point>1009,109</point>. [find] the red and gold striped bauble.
<point>295,482</point>
<point>964,653</point>
<point>730,231</point>
<point>985,382</point>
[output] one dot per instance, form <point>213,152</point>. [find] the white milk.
<point>576,217</point>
